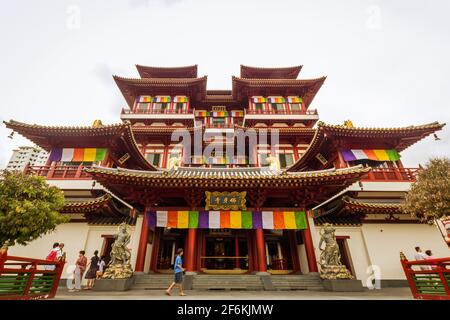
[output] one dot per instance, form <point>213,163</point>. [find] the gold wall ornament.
<point>218,108</point>
<point>124,158</point>
<point>225,200</point>
<point>321,158</point>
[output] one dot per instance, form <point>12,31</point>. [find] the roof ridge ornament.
<point>97,123</point>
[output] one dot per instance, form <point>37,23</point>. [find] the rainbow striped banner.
<point>370,154</point>
<point>294,99</point>
<point>238,114</point>
<point>162,99</point>
<point>275,99</point>
<point>78,154</point>
<point>180,99</point>
<point>259,99</point>
<point>278,220</point>
<point>145,99</point>
<point>220,114</point>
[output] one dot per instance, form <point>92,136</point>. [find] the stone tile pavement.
<point>382,294</point>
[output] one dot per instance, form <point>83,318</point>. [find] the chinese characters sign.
<point>225,200</point>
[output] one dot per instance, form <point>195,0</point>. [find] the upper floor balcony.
<point>55,172</point>
<point>157,114</point>
<point>392,175</point>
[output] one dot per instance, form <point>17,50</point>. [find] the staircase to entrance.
<point>231,282</point>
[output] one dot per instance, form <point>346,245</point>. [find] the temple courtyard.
<point>382,294</point>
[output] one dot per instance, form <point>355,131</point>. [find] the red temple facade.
<point>242,179</point>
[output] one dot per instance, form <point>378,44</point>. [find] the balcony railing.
<point>58,172</point>
<point>28,279</point>
<point>153,111</point>
<point>282,112</point>
<point>392,174</point>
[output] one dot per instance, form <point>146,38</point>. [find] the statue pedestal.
<point>334,272</point>
<point>338,278</point>
<point>113,284</point>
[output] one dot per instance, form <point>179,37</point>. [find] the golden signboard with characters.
<point>225,200</point>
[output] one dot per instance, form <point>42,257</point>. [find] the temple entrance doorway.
<point>280,251</point>
<point>171,240</point>
<point>224,251</point>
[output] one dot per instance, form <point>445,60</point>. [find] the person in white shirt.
<point>419,255</point>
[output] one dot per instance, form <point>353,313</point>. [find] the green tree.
<point>28,208</point>
<point>429,197</point>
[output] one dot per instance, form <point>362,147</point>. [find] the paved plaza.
<point>382,294</point>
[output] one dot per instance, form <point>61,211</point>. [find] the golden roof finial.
<point>97,124</point>
<point>348,123</point>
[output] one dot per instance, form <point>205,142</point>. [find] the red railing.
<point>152,111</point>
<point>392,174</point>
<point>25,278</point>
<point>430,279</point>
<point>58,172</point>
<point>282,112</point>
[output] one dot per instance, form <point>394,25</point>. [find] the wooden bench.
<point>428,279</point>
<point>24,278</point>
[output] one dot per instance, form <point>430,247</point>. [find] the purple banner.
<point>203,219</point>
<point>348,155</point>
<point>151,219</point>
<point>56,154</point>
<point>257,219</point>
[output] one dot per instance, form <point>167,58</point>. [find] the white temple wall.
<point>385,241</point>
<point>73,235</point>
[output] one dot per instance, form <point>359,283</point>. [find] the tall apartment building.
<point>33,156</point>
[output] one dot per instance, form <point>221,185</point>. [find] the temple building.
<point>242,179</point>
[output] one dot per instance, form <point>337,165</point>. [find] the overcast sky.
<point>387,62</point>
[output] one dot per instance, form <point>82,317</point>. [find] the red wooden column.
<point>236,252</point>
<point>261,250</point>
<point>143,240</point>
<point>309,247</point>
<point>191,246</point>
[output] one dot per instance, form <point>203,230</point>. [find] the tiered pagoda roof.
<point>307,89</point>
<point>248,72</point>
<point>118,138</point>
<point>194,88</point>
<point>101,210</point>
<point>167,72</point>
<point>137,186</point>
<point>326,136</point>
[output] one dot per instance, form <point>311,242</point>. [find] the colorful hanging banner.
<point>145,98</point>
<point>278,220</point>
<point>238,114</point>
<point>180,99</point>
<point>294,99</point>
<point>78,154</point>
<point>162,99</point>
<point>375,155</point>
<point>275,100</point>
<point>258,99</point>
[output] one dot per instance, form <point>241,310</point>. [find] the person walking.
<point>178,270</point>
<point>91,274</point>
<point>101,267</point>
<point>418,256</point>
<point>52,256</point>
<point>61,256</point>
<point>80,267</point>
<point>429,256</point>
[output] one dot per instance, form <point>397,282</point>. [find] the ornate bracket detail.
<point>257,197</point>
